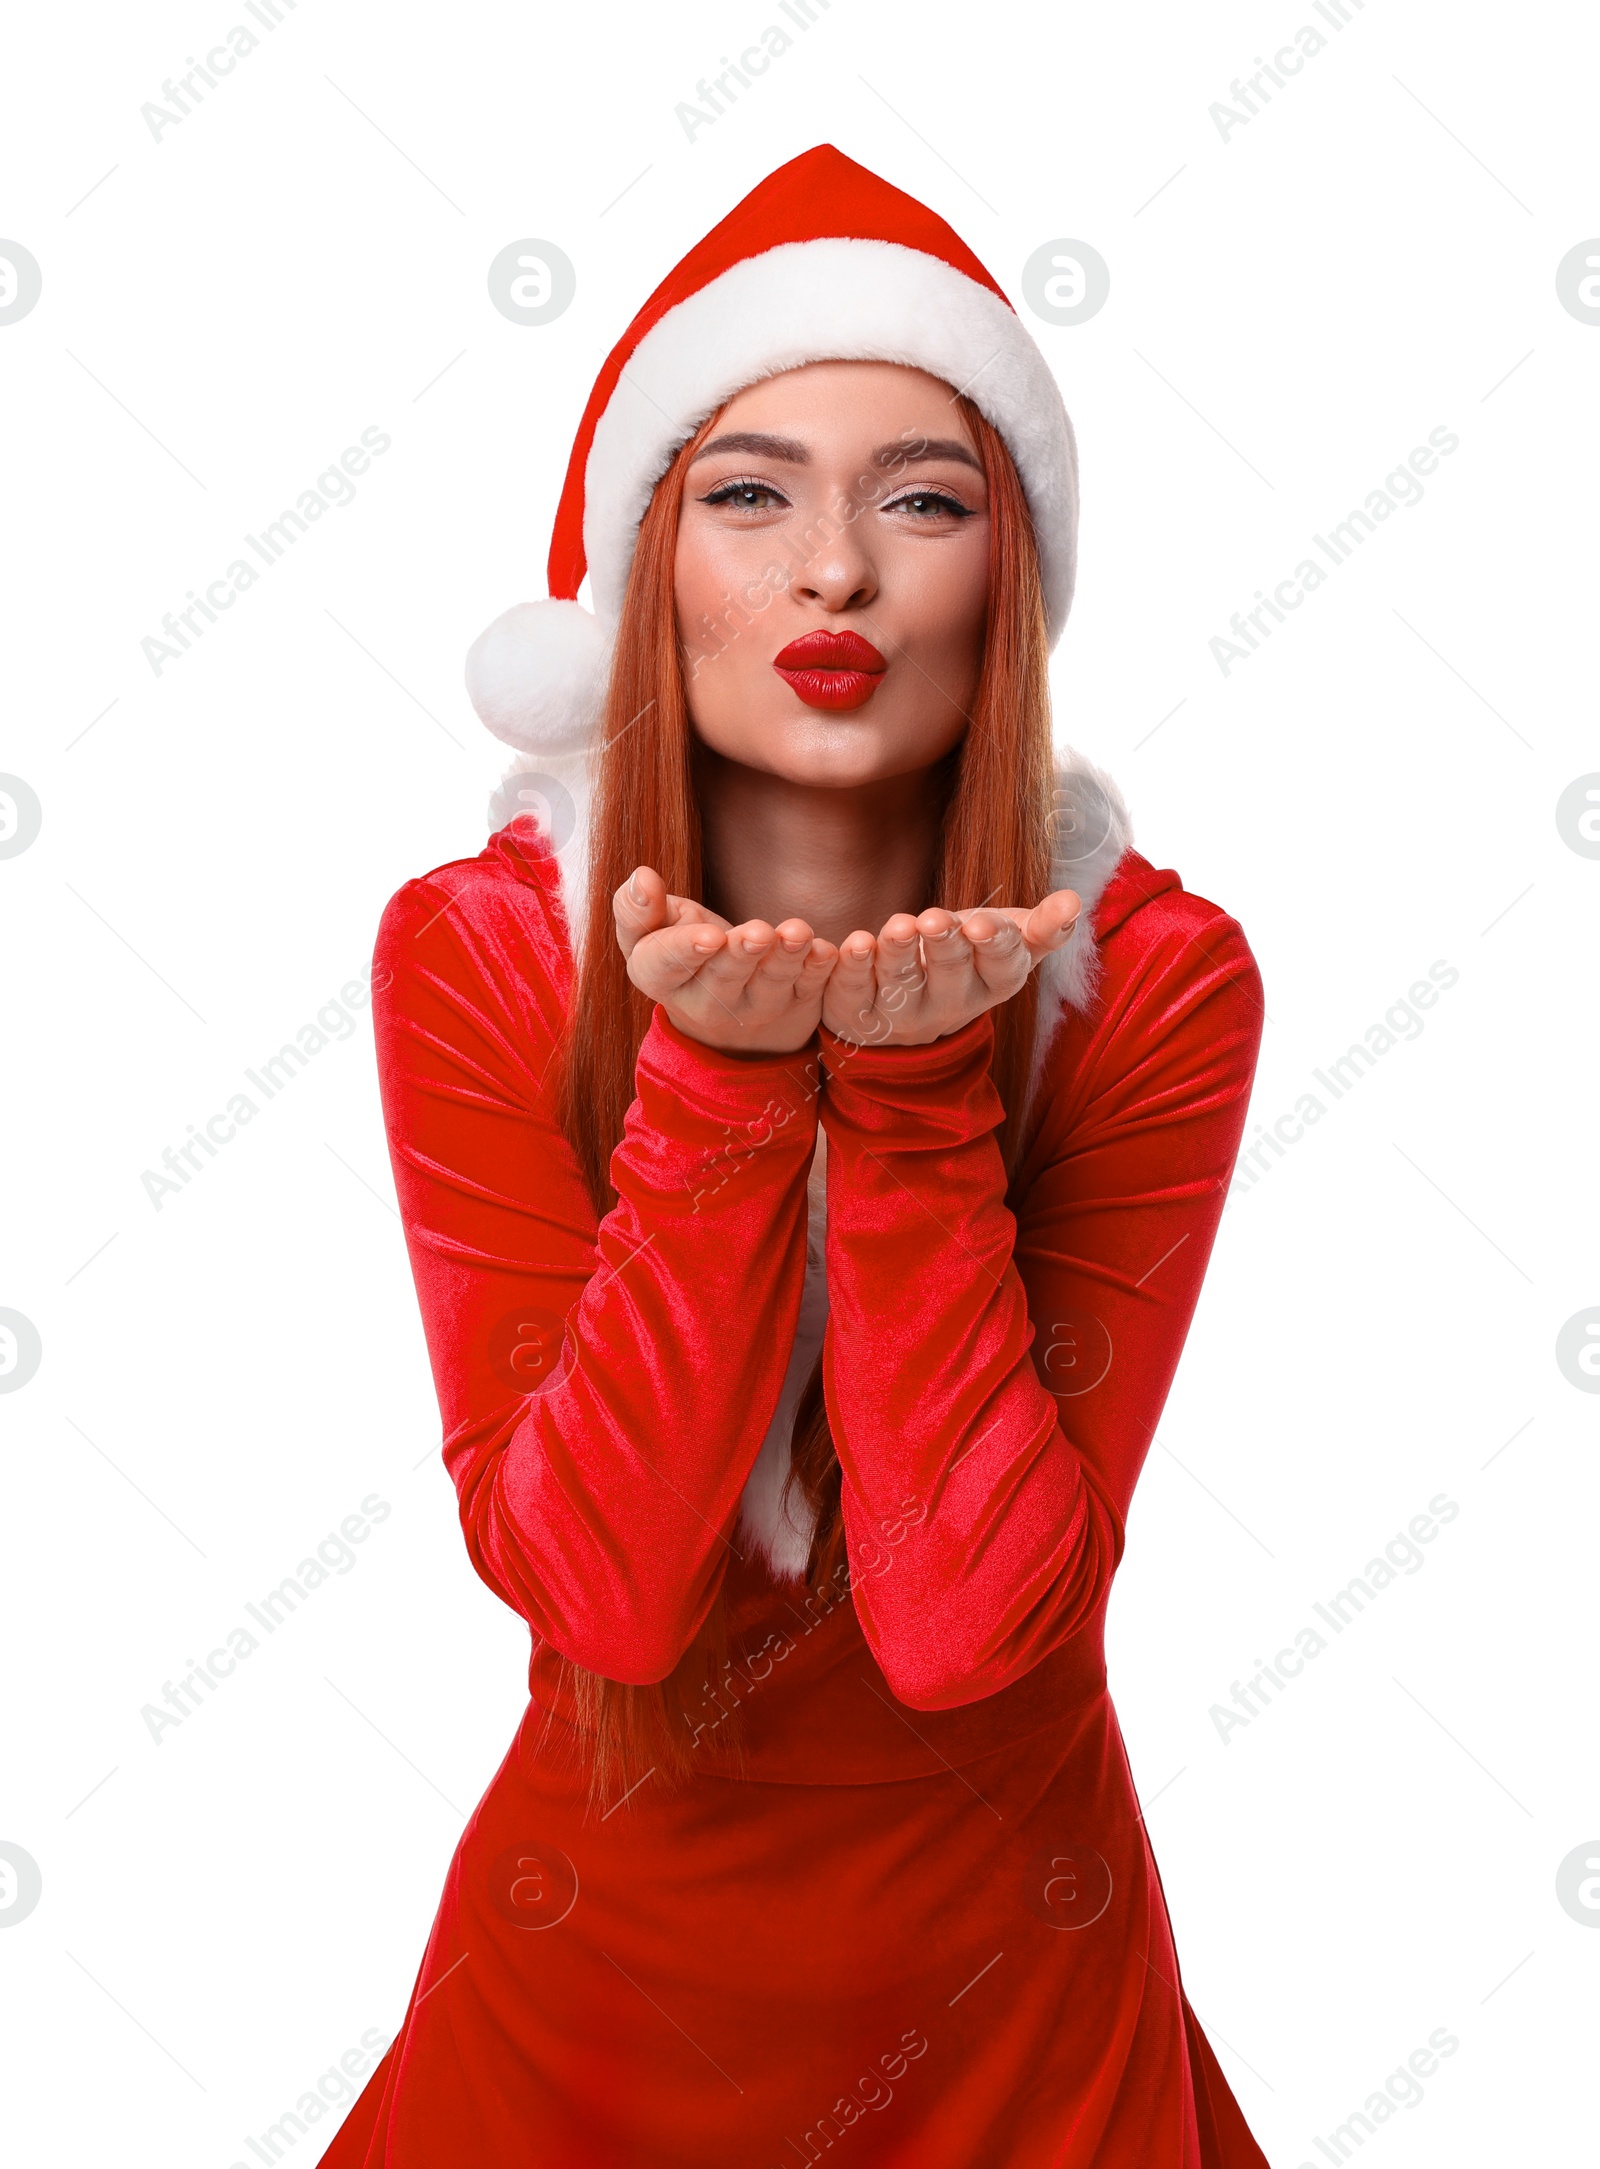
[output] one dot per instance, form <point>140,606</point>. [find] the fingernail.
<point>635,893</point>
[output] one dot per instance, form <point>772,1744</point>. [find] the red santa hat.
<point>823,261</point>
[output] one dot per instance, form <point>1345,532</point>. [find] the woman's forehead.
<point>824,403</point>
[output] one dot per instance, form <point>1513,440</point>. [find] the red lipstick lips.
<point>831,670</point>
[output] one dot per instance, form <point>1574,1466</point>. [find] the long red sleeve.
<point>599,1467</point>
<point>993,1385</point>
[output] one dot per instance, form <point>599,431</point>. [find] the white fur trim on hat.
<point>537,677</point>
<point>828,300</point>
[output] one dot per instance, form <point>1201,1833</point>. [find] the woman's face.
<point>832,574</point>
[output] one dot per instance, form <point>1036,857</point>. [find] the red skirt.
<point>971,1965</point>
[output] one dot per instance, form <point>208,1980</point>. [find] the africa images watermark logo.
<point>182,1699</point>
<point>334,1021</point>
<point>334,487</point>
<point>1401,1555</point>
<point>1253,93</point>
<point>1401,486</point>
<point>184,94</point>
<point>1400,1022</point>
<point>721,91</point>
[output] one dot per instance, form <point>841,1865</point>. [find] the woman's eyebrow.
<point>902,450</point>
<point>890,456</point>
<point>752,440</point>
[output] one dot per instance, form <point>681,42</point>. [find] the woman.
<point>807,1206</point>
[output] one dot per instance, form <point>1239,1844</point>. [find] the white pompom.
<point>537,676</point>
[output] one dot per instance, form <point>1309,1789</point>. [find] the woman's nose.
<point>839,573</point>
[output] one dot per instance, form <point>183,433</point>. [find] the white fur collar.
<point>1092,830</point>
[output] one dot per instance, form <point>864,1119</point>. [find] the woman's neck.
<point>838,858</point>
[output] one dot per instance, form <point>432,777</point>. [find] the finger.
<point>744,949</point>
<point>1000,955</point>
<point>639,907</point>
<point>786,958</point>
<point>946,950</point>
<point>816,968</point>
<point>990,924</point>
<point>1050,923</point>
<point>686,910</point>
<point>900,955</point>
<point>660,963</point>
<point>852,987</point>
<point>1044,928</point>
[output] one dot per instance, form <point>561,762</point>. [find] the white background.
<point>223,1380</point>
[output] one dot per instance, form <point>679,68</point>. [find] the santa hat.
<point>823,261</point>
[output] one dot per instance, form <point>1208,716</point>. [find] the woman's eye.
<point>745,496</point>
<point>930,504</point>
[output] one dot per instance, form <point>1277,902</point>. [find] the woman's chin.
<point>837,749</point>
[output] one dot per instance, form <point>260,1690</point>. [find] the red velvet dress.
<point>923,1926</point>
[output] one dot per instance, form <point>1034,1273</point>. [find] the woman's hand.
<point>927,976</point>
<point>750,989</point>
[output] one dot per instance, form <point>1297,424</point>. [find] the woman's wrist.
<point>976,1031</point>
<point>743,1056</point>
<point>949,1054</point>
<point>738,1066</point>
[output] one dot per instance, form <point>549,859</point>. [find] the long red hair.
<point>995,843</point>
